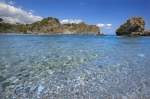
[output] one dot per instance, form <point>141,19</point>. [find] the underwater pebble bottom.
<point>74,67</point>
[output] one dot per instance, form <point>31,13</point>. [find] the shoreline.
<point>53,34</point>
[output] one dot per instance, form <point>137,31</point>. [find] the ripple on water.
<point>74,67</point>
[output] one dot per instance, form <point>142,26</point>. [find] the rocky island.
<point>147,33</point>
<point>48,25</point>
<point>134,26</point>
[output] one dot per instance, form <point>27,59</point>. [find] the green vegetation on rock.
<point>48,25</point>
<point>133,26</point>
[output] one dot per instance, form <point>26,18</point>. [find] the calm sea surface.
<point>74,67</point>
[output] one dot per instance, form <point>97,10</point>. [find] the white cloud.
<point>12,14</point>
<point>100,25</point>
<point>66,21</point>
<point>105,26</point>
<point>108,25</point>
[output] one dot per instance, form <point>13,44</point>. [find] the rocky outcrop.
<point>47,25</point>
<point>133,26</point>
<point>50,25</point>
<point>8,28</point>
<point>146,33</point>
<point>1,20</point>
<point>80,28</point>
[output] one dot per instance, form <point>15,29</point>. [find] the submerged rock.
<point>133,26</point>
<point>2,78</point>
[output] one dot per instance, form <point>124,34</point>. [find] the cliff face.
<point>80,28</point>
<point>1,20</point>
<point>50,26</point>
<point>146,33</point>
<point>133,26</point>
<point>8,28</point>
<point>47,25</point>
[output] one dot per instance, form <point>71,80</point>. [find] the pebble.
<point>40,89</point>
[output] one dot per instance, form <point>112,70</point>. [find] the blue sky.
<point>113,12</point>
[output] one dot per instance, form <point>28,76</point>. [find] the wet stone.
<point>2,78</point>
<point>5,85</point>
<point>95,70</point>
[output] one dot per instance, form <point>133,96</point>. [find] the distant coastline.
<point>134,26</point>
<point>19,33</point>
<point>49,25</point>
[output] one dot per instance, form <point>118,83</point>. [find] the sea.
<point>74,67</point>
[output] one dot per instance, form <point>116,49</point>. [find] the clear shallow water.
<point>74,67</point>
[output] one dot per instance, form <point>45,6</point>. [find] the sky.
<point>108,14</point>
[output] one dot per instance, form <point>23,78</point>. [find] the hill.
<point>48,25</point>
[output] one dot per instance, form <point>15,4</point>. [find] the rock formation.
<point>146,33</point>
<point>1,20</point>
<point>80,28</point>
<point>49,26</point>
<point>133,26</point>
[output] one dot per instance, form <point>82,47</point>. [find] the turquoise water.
<point>74,67</point>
